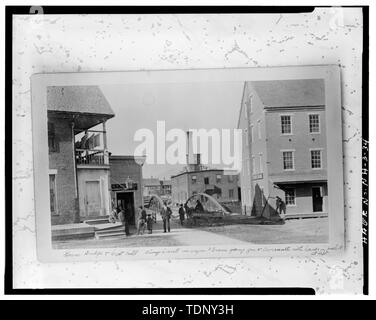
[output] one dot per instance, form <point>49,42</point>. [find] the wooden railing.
<point>91,157</point>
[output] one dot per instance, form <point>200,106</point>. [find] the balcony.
<point>91,147</point>
<point>92,157</point>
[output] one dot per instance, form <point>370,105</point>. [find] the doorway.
<point>126,200</point>
<point>93,199</point>
<point>317,199</point>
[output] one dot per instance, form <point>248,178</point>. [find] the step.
<point>110,234</point>
<point>109,230</point>
<point>72,231</point>
<point>108,226</point>
<point>99,220</point>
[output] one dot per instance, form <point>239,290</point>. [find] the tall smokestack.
<point>189,148</point>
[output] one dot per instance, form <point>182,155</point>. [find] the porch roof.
<point>298,178</point>
<point>86,106</point>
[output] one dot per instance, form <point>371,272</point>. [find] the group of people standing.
<point>145,219</point>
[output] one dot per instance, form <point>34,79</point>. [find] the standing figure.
<point>181,214</point>
<point>141,221</point>
<point>149,223</point>
<point>166,215</point>
<point>124,219</point>
<point>281,208</point>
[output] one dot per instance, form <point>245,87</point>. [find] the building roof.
<point>78,99</point>
<point>195,172</point>
<point>291,93</point>
<point>151,182</point>
<point>138,159</point>
<point>86,106</point>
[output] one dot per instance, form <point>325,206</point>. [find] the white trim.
<point>316,149</point>
<point>291,124</point>
<point>261,167</point>
<point>293,159</point>
<point>52,171</point>
<point>309,123</point>
<point>291,205</point>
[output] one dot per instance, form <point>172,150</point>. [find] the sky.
<point>181,105</point>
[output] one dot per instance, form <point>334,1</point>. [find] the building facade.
<point>126,184</point>
<point>151,186</point>
<point>284,147</point>
<point>78,156</point>
<point>214,182</point>
<point>166,188</point>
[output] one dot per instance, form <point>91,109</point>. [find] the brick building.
<point>126,183</point>
<point>214,182</point>
<point>284,147</point>
<point>155,186</point>
<point>166,187</point>
<point>78,156</point>
<point>151,186</point>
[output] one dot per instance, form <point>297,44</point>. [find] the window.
<point>230,178</point>
<point>288,160</point>
<point>314,123</point>
<point>290,197</point>
<point>259,129</point>
<point>249,167</point>
<point>206,180</point>
<point>218,178</point>
<point>231,193</point>
<point>194,179</point>
<point>246,137</point>
<point>286,124</point>
<point>245,110</point>
<point>260,159</point>
<point>253,165</point>
<point>316,159</point>
<point>53,206</point>
<point>53,145</point>
<point>251,136</point>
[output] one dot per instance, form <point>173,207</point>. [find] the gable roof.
<point>291,93</point>
<point>78,99</point>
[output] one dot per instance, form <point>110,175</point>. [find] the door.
<point>126,200</point>
<point>317,199</point>
<point>93,198</point>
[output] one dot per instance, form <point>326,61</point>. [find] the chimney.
<point>189,148</point>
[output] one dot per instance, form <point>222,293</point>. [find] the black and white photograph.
<point>102,194</point>
<point>183,149</point>
<point>190,164</point>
